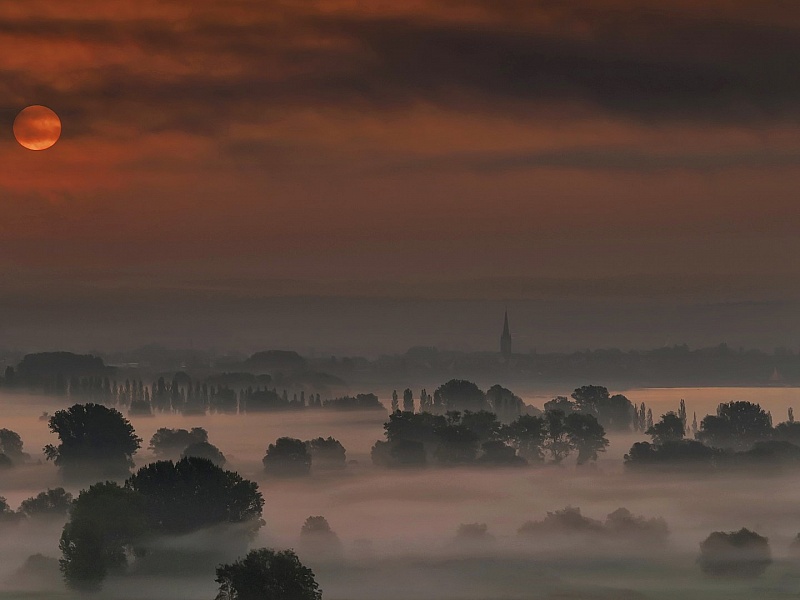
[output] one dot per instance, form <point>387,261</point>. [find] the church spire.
<point>505,339</point>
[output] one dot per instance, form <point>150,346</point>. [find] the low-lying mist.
<point>398,530</point>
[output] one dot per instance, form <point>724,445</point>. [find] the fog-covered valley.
<point>441,533</point>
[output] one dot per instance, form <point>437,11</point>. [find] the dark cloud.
<point>645,65</point>
<point>619,68</point>
<point>601,158</point>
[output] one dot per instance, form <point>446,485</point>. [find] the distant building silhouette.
<point>505,340</point>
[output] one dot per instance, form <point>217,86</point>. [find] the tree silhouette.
<point>556,442</point>
<point>588,397</point>
<point>458,445</point>
<point>195,493</point>
<point>317,537</point>
<point>327,454</point>
<point>205,450</point>
<point>11,446</point>
<point>53,503</point>
<point>459,394</point>
<point>106,523</point>
<point>408,400</point>
<point>484,424</point>
<point>586,435</point>
<point>671,428</point>
<point>741,554</point>
<point>737,425</point>
<point>683,454</point>
<point>170,443</point>
<point>561,403</point>
<point>527,434</point>
<point>504,403</point>
<point>496,453</point>
<point>95,442</point>
<point>266,574</point>
<point>287,457</point>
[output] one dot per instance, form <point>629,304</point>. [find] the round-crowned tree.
<point>194,493</point>
<point>205,450</point>
<point>318,540</point>
<point>11,446</point>
<point>287,457</point>
<point>267,573</point>
<point>741,553</point>
<point>96,442</point>
<point>327,454</point>
<point>459,394</point>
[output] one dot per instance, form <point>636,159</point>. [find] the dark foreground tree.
<point>96,442</point>
<point>267,574</point>
<point>193,494</point>
<point>106,523</point>
<point>287,457</point>
<point>741,553</point>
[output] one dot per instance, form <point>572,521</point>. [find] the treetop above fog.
<point>108,522</point>
<point>267,574</point>
<point>91,437</point>
<point>194,493</point>
<point>737,425</point>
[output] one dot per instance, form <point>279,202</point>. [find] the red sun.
<point>37,127</point>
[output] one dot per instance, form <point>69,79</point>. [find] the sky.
<point>450,150</point>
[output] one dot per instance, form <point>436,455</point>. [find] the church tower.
<point>505,340</point>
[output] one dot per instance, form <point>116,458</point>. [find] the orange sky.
<point>401,141</point>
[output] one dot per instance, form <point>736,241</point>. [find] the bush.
<point>742,553</point>
<point>287,457</point>
<point>566,521</point>
<point>328,454</point>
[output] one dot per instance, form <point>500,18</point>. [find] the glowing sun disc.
<point>37,127</point>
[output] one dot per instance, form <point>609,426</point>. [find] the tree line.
<point>740,435</point>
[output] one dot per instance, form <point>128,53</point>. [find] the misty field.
<point>398,529</point>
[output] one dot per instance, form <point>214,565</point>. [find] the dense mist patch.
<point>433,533</point>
